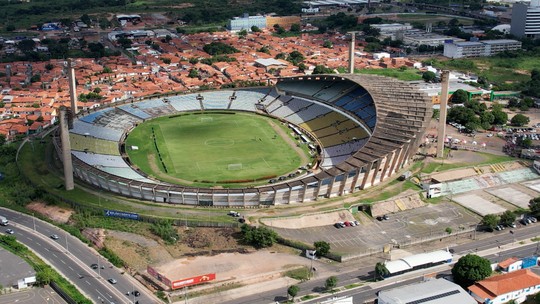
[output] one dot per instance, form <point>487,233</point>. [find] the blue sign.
<point>122,214</point>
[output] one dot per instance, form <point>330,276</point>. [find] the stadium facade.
<point>366,127</point>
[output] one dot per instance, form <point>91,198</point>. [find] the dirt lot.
<point>55,213</point>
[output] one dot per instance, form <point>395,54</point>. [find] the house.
<point>513,263</point>
<point>434,291</point>
<point>500,289</point>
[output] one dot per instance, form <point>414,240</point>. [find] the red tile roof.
<point>498,285</point>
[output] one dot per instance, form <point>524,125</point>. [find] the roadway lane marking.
<point>55,255</point>
<point>71,268</point>
<point>88,283</point>
<point>63,262</point>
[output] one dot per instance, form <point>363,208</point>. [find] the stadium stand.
<point>335,90</point>
<point>156,107</point>
<point>83,128</point>
<point>246,100</point>
<point>92,117</point>
<point>100,160</point>
<point>92,144</point>
<point>117,119</point>
<point>290,107</point>
<point>308,113</point>
<point>126,173</point>
<point>305,88</point>
<point>134,109</point>
<point>185,102</point>
<point>323,121</point>
<point>216,99</point>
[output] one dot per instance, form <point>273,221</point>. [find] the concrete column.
<point>442,117</point>
<point>351,53</point>
<point>72,87</point>
<point>66,150</point>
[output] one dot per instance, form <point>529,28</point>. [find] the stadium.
<point>351,132</point>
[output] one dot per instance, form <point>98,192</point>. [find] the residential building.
<point>503,288</point>
<point>479,48</point>
<point>434,291</point>
<point>526,19</point>
<point>246,22</point>
<point>513,263</point>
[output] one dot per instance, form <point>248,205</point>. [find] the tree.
<point>490,221</point>
<point>242,34</point>
<point>219,48</point>
<point>459,96</point>
<point>255,29</point>
<point>295,28</point>
<point>49,66</point>
<point>534,206</point>
<point>193,73</point>
<point>519,120</point>
<point>381,271</point>
<point>470,269</point>
<point>526,143</point>
<point>436,113</point>
<point>330,283</point>
<point>295,57</point>
<point>429,76</point>
<point>293,291</point>
<point>328,44</point>
<point>508,217</point>
<point>124,42</point>
<point>499,117</point>
<point>44,276</point>
<point>2,139</point>
<point>322,248</point>
<point>321,69</point>
<point>86,19</point>
<point>258,237</point>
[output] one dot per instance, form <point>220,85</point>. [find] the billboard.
<point>158,276</point>
<point>193,281</point>
<point>121,214</point>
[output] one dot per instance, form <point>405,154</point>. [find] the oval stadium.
<point>351,132</point>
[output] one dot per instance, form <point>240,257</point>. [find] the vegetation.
<point>322,248</point>
<point>381,271</point>
<point>112,257</point>
<point>508,217</point>
<point>534,206</point>
<point>470,269</point>
<point>460,96</point>
<point>293,291</point>
<point>166,231</point>
<point>429,76</point>
<point>258,237</point>
<point>321,69</point>
<point>519,120</point>
<point>330,283</point>
<point>490,221</point>
<point>219,48</point>
<point>401,74</point>
<point>300,274</point>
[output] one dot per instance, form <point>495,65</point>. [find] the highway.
<point>500,242</point>
<point>72,259</point>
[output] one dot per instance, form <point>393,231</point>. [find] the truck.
<point>405,175</point>
<point>3,221</point>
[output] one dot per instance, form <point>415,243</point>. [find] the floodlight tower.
<point>72,86</point>
<point>351,52</point>
<point>445,82</point>
<point>66,149</point>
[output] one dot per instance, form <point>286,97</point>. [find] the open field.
<point>405,75</point>
<point>212,148</point>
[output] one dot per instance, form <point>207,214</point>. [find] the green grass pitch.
<point>212,148</point>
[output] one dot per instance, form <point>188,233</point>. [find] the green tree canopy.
<point>460,96</point>
<point>499,117</point>
<point>330,283</point>
<point>255,29</point>
<point>293,291</point>
<point>428,76</point>
<point>193,73</point>
<point>534,206</point>
<point>381,271</point>
<point>508,217</point>
<point>295,57</point>
<point>328,44</point>
<point>322,248</point>
<point>519,120</point>
<point>295,28</point>
<point>219,48</point>
<point>470,269</point>
<point>321,69</point>
<point>258,237</point>
<point>462,115</point>
<point>490,221</point>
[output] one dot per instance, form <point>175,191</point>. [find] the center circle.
<point>219,142</point>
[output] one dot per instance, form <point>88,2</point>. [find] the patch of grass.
<point>301,274</point>
<point>308,297</point>
<point>214,290</point>
<point>535,239</point>
<point>406,185</point>
<point>350,286</point>
<point>438,166</point>
<point>405,75</point>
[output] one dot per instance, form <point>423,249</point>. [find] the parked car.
<point>9,231</point>
<point>136,293</point>
<point>94,266</point>
<point>386,217</point>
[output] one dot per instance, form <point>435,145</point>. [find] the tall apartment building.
<point>479,48</point>
<point>246,22</point>
<point>526,19</point>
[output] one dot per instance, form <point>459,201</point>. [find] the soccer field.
<point>213,148</point>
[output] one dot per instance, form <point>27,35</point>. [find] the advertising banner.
<point>193,281</point>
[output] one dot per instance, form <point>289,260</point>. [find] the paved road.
<point>72,258</point>
<point>501,241</point>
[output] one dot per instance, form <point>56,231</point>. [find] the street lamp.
<point>311,264</point>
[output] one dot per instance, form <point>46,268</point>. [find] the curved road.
<point>72,259</point>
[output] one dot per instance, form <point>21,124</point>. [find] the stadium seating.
<point>185,102</point>
<point>92,144</point>
<point>216,99</point>
<point>126,173</point>
<point>90,118</point>
<point>350,96</point>
<point>117,119</point>
<point>334,91</point>
<point>134,109</point>
<point>247,100</point>
<point>323,121</point>
<point>100,160</point>
<point>291,106</point>
<point>83,128</point>
<point>305,88</point>
<point>308,113</point>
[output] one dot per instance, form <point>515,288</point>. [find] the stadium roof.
<point>416,260</point>
<point>435,291</point>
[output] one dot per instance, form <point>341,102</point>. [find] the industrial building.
<point>479,48</point>
<point>434,291</point>
<point>246,22</point>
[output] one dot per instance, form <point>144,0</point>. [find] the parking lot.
<point>32,296</point>
<point>371,235</point>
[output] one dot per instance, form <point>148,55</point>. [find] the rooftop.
<point>435,291</point>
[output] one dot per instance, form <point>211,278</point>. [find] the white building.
<point>503,288</point>
<point>435,291</point>
<point>479,48</point>
<point>417,37</point>
<point>390,28</point>
<point>526,19</point>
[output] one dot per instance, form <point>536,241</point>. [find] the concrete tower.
<point>28,73</point>
<point>351,53</point>
<point>72,86</point>
<point>66,150</point>
<point>8,74</point>
<point>445,82</point>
